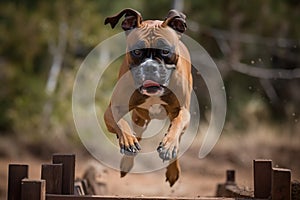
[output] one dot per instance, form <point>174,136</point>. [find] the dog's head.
<point>152,48</point>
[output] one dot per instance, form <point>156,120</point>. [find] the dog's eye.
<point>137,52</point>
<point>165,52</point>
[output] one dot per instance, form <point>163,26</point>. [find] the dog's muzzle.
<point>151,77</point>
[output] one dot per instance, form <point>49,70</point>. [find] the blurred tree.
<point>33,35</point>
<point>247,40</point>
<point>256,34</point>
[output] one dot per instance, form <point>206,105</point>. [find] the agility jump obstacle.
<point>58,183</point>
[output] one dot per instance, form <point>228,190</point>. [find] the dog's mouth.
<point>151,88</point>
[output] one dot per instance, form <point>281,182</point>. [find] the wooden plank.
<point>69,197</point>
<point>33,189</point>
<point>52,174</point>
<point>16,173</point>
<point>68,172</point>
<point>79,189</point>
<point>262,172</point>
<point>281,184</point>
<point>235,191</point>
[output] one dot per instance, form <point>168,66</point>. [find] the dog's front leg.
<point>129,144</point>
<point>168,147</point>
<point>115,123</point>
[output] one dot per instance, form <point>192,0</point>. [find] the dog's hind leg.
<point>173,171</point>
<point>126,165</point>
<point>139,125</point>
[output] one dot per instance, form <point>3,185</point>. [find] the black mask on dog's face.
<point>152,48</point>
<point>152,68</point>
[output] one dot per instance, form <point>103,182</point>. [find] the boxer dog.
<point>158,69</point>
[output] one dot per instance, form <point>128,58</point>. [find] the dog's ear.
<point>175,20</point>
<point>133,19</point>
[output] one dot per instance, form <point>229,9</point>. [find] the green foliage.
<point>27,33</point>
<point>29,30</point>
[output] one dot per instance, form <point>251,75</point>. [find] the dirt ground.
<point>199,177</point>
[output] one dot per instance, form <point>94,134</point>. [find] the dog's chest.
<point>155,107</point>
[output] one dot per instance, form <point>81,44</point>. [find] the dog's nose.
<point>150,66</point>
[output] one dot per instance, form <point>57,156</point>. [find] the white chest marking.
<point>152,101</point>
<point>155,108</point>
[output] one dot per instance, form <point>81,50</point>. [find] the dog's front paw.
<point>129,145</point>
<point>168,148</point>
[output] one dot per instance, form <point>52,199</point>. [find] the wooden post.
<point>68,172</point>
<point>230,177</point>
<point>52,174</point>
<point>281,184</point>
<point>295,190</point>
<point>15,175</point>
<point>33,189</point>
<point>262,171</point>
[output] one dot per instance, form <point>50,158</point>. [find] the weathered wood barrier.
<point>269,183</point>
<point>58,183</point>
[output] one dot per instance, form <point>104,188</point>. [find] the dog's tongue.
<point>149,83</point>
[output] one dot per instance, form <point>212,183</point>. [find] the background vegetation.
<point>42,44</point>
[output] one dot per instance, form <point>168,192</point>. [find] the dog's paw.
<point>167,149</point>
<point>129,145</point>
<point>130,150</point>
